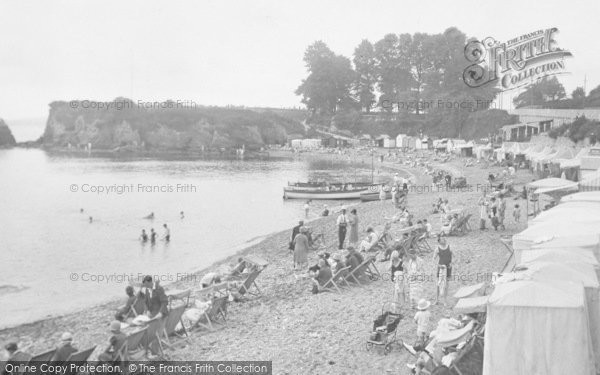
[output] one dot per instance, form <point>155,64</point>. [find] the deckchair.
<point>43,357</point>
<point>170,325</point>
<point>220,290</point>
<point>217,310</point>
<point>179,295</point>
<point>154,329</point>
<point>80,358</point>
<point>458,229</point>
<point>363,268</point>
<point>131,348</point>
<point>334,281</point>
<point>82,355</point>
<point>248,283</point>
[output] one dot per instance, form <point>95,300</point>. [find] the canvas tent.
<point>578,212</point>
<point>588,196</point>
<point>566,234</point>
<point>563,256</point>
<point>537,328</point>
<point>579,273</point>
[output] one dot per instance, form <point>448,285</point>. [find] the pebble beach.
<point>303,333</point>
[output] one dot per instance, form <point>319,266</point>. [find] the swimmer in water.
<point>81,210</point>
<point>151,216</point>
<point>152,236</point>
<point>181,215</point>
<point>91,219</point>
<point>144,236</point>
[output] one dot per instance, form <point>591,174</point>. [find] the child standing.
<point>423,320</point>
<point>517,213</point>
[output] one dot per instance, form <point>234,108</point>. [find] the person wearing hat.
<point>444,255</point>
<point>339,264</point>
<point>66,348</point>
<point>15,356</point>
<point>116,342</point>
<point>301,247</point>
<point>325,211</point>
<point>423,319</point>
<point>342,223</point>
<point>295,232</point>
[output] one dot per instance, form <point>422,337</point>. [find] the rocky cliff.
<point>6,137</point>
<point>168,126</point>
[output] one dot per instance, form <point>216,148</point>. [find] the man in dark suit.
<point>155,298</point>
<point>64,351</point>
<point>295,232</point>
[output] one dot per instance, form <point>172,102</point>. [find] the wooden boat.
<point>368,196</point>
<point>351,191</point>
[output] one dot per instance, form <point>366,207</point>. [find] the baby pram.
<point>384,328</point>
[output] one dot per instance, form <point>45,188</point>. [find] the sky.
<point>237,52</point>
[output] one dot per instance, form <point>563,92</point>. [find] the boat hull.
<point>369,196</point>
<point>322,195</point>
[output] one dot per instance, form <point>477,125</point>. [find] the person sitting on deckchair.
<point>324,256</point>
<point>338,264</point>
<point>370,241</point>
<point>209,279</point>
<point>321,275</point>
<point>124,311</point>
<point>238,269</point>
<point>353,259</point>
<point>66,348</point>
<point>116,342</point>
<point>15,356</point>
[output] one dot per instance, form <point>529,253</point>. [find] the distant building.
<point>379,141</point>
<point>306,144</point>
<point>423,144</point>
<point>365,140</point>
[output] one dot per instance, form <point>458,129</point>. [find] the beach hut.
<point>535,327</point>
<point>577,272</point>
<point>423,144</point>
<point>389,143</point>
<point>379,141</point>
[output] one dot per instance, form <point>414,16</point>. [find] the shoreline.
<point>301,332</point>
<point>240,250</point>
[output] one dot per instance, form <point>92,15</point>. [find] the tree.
<point>392,67</point>
<point>578,93</point>
<point>364,66</point>
<point>544,90</point>
<point>330,77</point>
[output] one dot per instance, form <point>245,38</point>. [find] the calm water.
<point>45,240</point>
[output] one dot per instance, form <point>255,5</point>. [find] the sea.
<point>70,224</point>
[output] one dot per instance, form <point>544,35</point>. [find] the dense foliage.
<point>399,76</point>
<point>578,130</point>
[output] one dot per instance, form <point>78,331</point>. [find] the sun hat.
<point>67,336</point>
<point>343,208</point>
<point>115,326</point>
<point>423,304</point>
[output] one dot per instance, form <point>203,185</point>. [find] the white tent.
<point>552,235</point>
<point>588,196</point>
<point>563,256</point>
<point>579,273</point>
<point>537,328</point>
<point>578,212</point>
<point>575,161</point>
<point>547,185</point>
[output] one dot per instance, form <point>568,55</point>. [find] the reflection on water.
<point>53,256</point>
